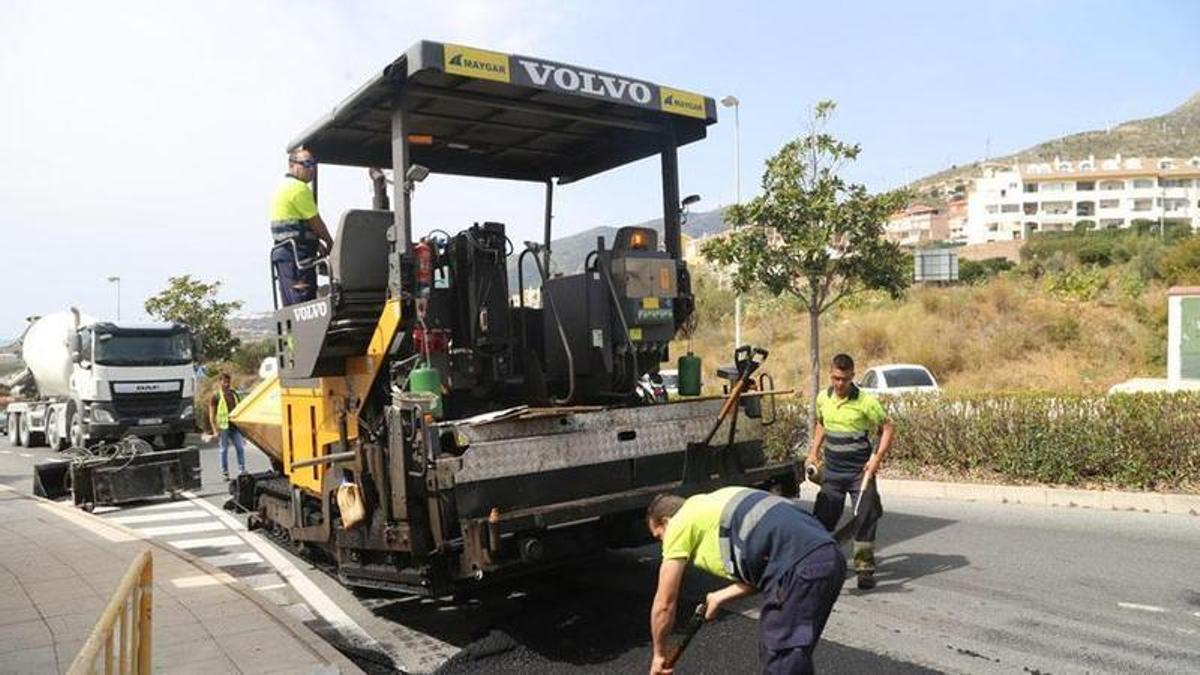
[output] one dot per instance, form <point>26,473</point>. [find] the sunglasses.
<point>306,163</point>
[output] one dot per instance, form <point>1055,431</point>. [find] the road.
<point>964,587</point>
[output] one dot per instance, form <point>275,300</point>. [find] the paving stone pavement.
<point>59,567</point>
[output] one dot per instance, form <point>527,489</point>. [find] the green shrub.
<point>1063,330</point>
<point>1096,252</point>
<point>1180,265</point>
<point>974,271</point>
<point>1133,441</point>
<point>1076,283</point>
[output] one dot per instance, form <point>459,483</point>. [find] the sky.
<point>144,139</point>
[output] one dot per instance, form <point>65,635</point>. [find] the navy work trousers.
<point>796,609</point>
<point>831,500</point>
<point>295,285</point>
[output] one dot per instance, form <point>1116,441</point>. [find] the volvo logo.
<point>586,82</point>
<point>310,312</point>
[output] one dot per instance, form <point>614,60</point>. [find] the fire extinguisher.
<point>424,253</point>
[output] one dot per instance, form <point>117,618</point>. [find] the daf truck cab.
<point>88,382</point>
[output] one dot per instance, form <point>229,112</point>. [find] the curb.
<point>304,634</point>
<point>1105,500</point>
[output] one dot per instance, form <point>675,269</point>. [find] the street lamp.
<point>732,102</point>
<point>117,281</point>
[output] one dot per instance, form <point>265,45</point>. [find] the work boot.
<point>225,476</point>
<point>864,564</point>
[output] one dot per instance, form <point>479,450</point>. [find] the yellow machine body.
<point>293,424</point>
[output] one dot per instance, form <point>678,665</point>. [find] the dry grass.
<point>1008,334</point>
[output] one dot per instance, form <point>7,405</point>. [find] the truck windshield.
<point>143,350</point>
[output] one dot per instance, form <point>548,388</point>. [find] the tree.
<point>194,304</point>
<point>813,235</point>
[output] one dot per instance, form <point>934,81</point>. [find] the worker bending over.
<point>299,234</point>
<point>760,542</point>
<point>845,417</point>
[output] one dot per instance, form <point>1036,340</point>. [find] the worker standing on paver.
<point>760,542</point>
<point>846,416</point>
<point>298,232</point>
<point>222,402</point>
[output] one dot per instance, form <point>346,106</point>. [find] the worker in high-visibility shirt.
<point>846,416</point>
<point>223,401</point>
<point>299,234</point>
<point>757,541</point>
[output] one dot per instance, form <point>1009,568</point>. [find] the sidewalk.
<point>1108,500</point>
<point>59,567</point>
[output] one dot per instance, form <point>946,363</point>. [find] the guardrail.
<point>128,610</point>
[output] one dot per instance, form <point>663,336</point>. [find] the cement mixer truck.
<point>87,381</point>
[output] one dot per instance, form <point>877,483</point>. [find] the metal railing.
<point>124,627</point>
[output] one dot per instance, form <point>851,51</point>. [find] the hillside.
<point>1010,333</point>
<point>1175,134</point>
<point>1080,313</point>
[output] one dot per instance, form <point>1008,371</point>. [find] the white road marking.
<point>5,452</point>
<point>198,580</point>
<point>233,559</point>
<point>94,525</point>
<point>26,455</point>
<point>165,506</point>
<point>335,616</point>
<point>193,514</point>
<point>1196,614</point>
<point>101,510</point>
<point>1143,608</point>
<point>207,526</point>
<point>205,542</point>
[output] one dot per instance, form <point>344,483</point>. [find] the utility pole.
<point>117,281</point>
<point>732,102</point>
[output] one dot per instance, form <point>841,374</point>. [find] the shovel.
<point>695,460</point>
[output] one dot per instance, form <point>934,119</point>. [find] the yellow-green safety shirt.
<point>848,423</point>
<point>291,208</point>
<point>693,532</point>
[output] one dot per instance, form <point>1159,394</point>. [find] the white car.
<point>899,378</point>
<point>268,367</point>
<point>670,380</point>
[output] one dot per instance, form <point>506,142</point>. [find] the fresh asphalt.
<point>963,587</point>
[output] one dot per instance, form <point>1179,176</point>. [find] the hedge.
<point>1129,441</point>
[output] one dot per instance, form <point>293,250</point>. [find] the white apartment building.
<point>1013,203</point>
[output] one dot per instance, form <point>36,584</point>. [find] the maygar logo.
<point>682,102</point>
<point>476,63</point>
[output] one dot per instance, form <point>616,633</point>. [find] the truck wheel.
<point>57,442</point>
<point>172,441</point>
<point>75,430</point>
<point>14,430</point>
<point>24,437</point>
